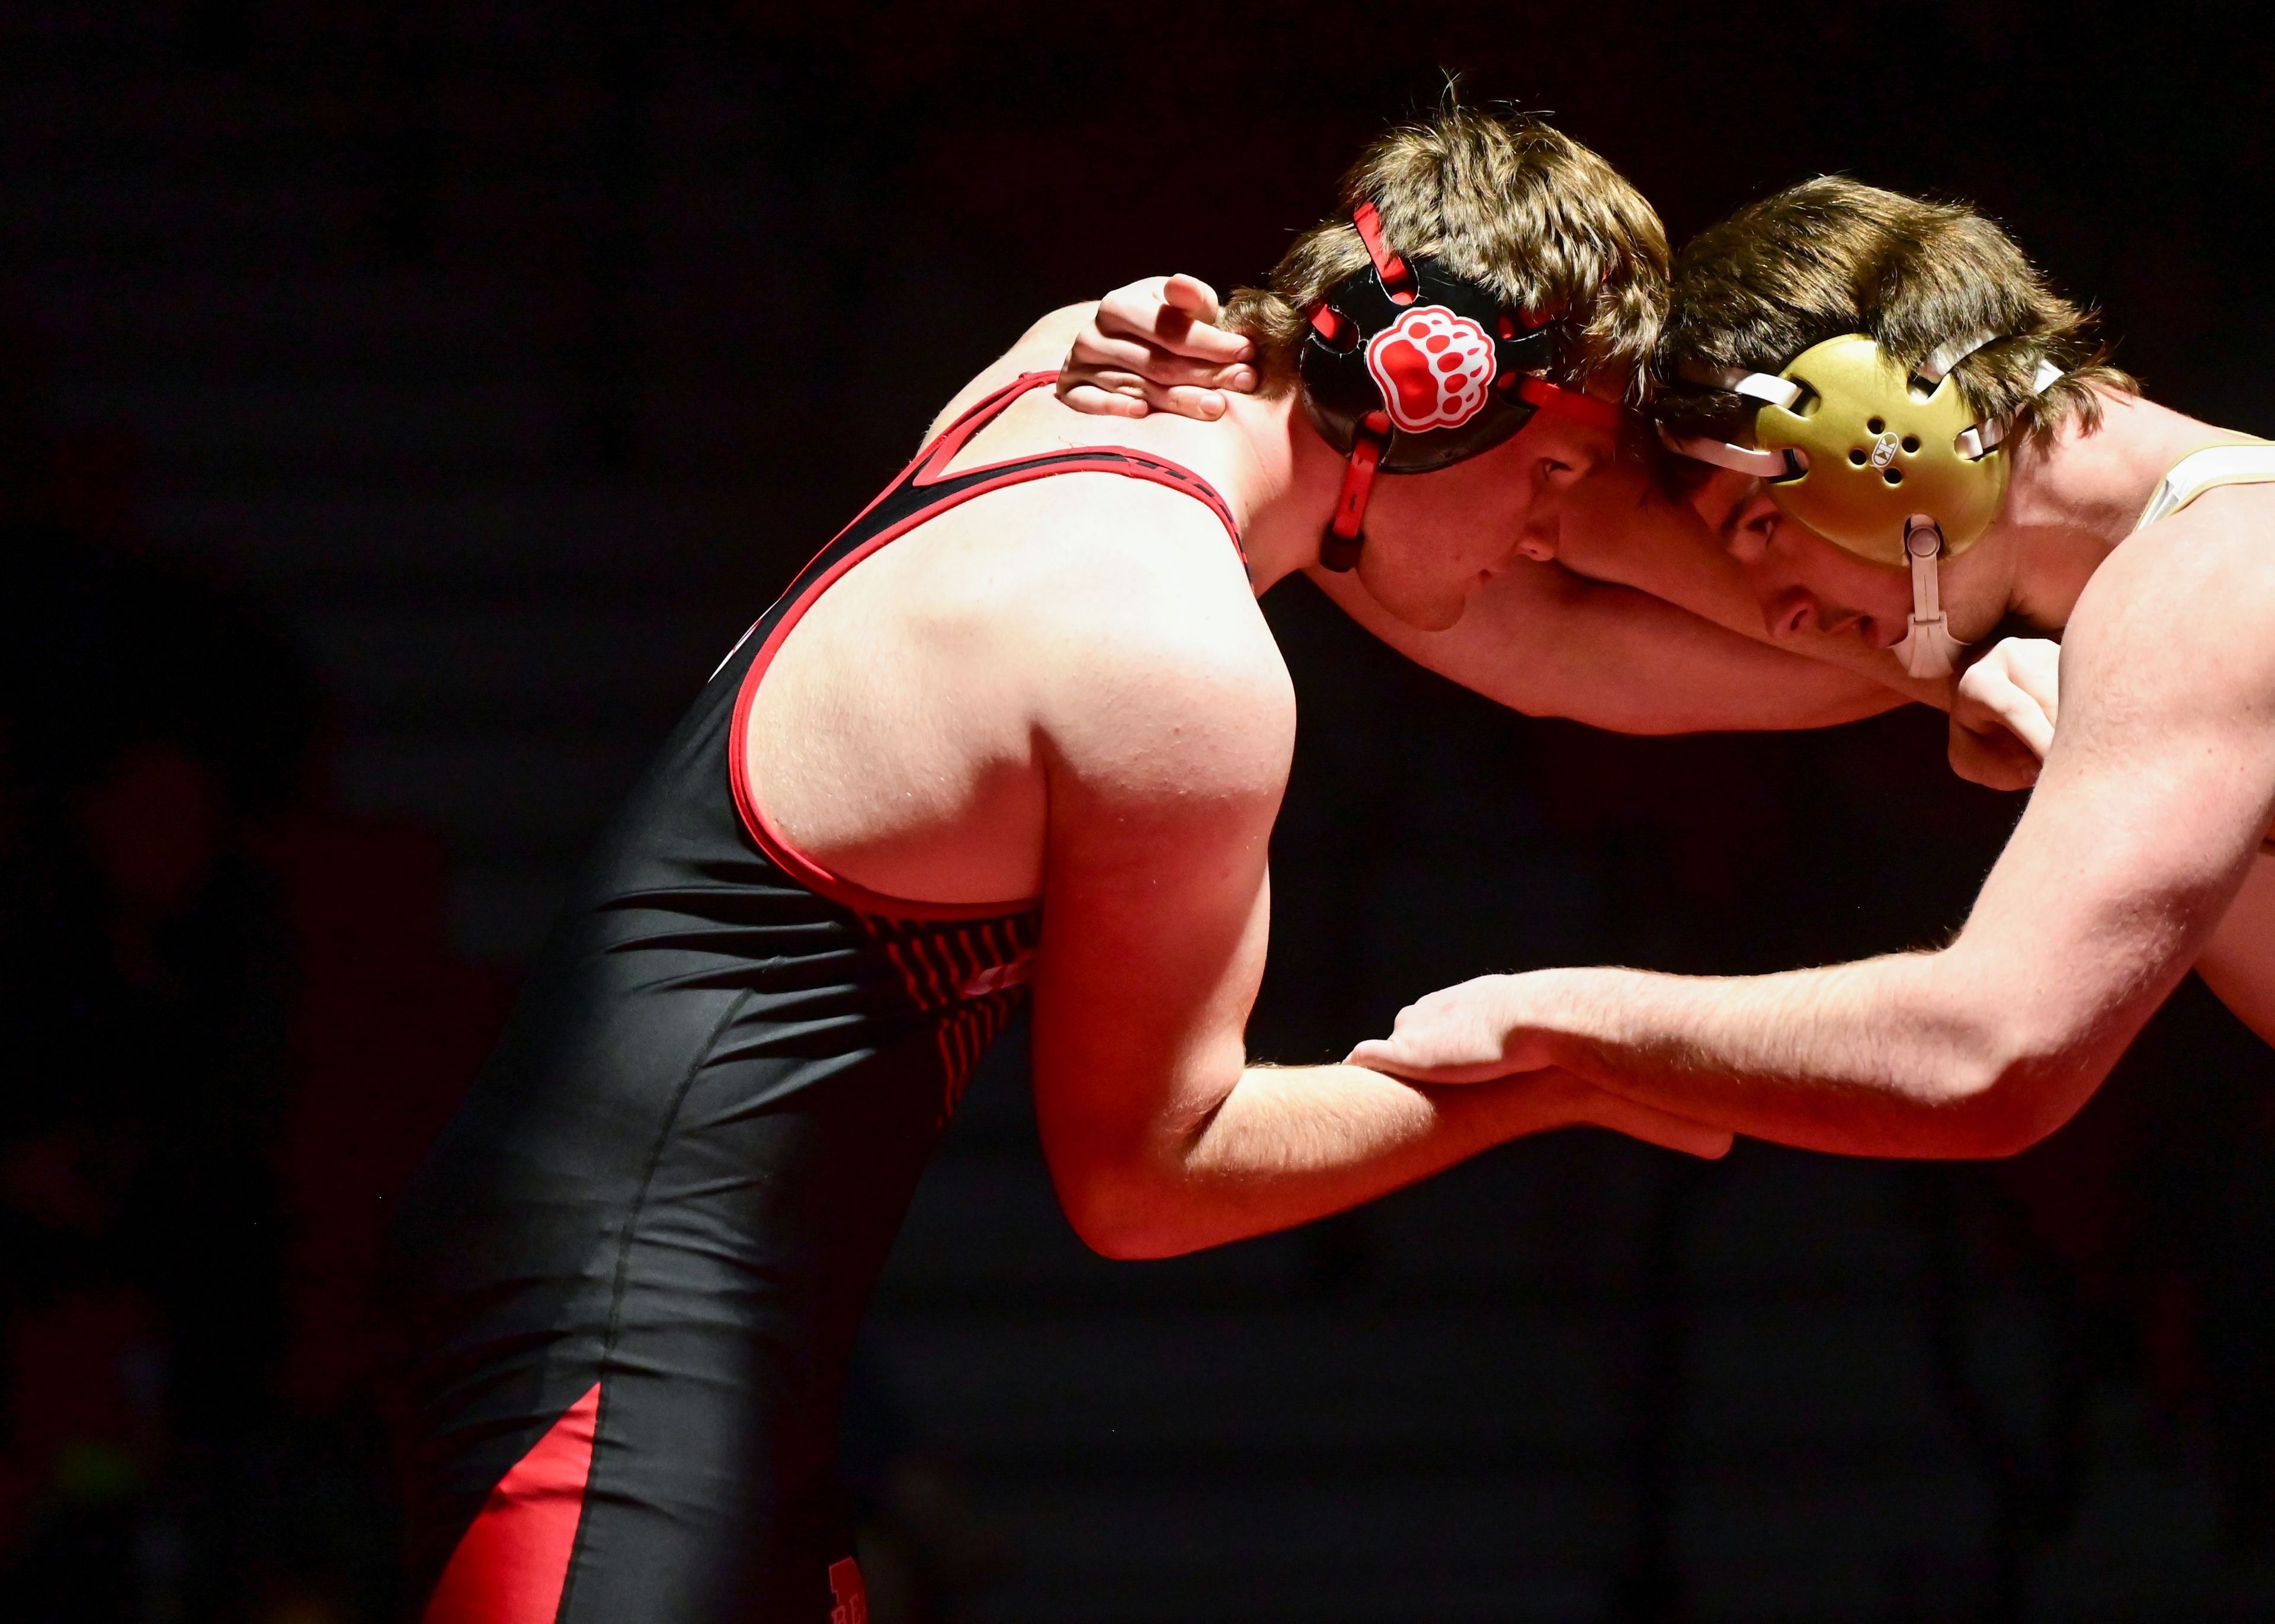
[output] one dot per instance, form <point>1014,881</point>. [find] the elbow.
<point>1121,1244</point>
<point>1124,1216</point>
<point>2008,1093</point>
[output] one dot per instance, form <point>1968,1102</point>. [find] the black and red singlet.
<point>630,1272</point>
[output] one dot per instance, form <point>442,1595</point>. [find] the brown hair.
<point>1509,203</point>
<point>1832,256</point>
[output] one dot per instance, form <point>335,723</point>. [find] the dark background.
<point>403,405</point>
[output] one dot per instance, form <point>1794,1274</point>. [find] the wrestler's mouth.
<point>1879,633</point>
<point>1874,631</point>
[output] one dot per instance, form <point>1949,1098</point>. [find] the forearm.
<point>1287,1144</point>
<point>1542,640</point>
<point>1895,1056</point>
<point>1657,547</point>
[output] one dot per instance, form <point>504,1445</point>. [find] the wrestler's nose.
<point>1790,613</point>
<point>1538,540</point>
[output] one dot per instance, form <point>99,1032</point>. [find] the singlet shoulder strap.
<point>2252,462</point>
<point>929,473</point>
<point>923,492</point>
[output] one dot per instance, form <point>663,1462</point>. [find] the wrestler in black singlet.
<point>631,1269</point>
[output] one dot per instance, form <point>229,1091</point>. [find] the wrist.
<point>1547,1005</point>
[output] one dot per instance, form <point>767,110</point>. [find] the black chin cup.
<point>1347,404</point>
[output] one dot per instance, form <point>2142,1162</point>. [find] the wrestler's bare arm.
<point>1682,650</point>
<point>2151,809</point>
<point>1168,734</point>
<point>2238,963</point>
<point>2004,720</point>
<point>1544,641</point>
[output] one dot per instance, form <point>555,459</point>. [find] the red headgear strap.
<point>1339,548</point>
<point>1397,281</point>
<point>1571,403</point>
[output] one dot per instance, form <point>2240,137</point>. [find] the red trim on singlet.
<point>929,467</point>
<point>510,1567</point>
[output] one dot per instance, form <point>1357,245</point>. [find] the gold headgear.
<point>1883,464</point>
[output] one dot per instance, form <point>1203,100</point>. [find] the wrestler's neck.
<point>1285,479</point>
<point>2073,499</point>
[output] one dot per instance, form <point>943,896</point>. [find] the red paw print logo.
<point>1432,367</point>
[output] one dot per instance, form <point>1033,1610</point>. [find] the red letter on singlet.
<point>851,1595</point>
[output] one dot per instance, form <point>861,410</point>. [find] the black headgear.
<point>1408,368</point>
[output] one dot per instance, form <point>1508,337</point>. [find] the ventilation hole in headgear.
<point>1875,426</point>
<point>1857,456</point>
<point>1894,476</point>
<point>1911,443</point>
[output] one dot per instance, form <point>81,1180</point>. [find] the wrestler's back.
<point>903,731</point>
<point>629,1275</point>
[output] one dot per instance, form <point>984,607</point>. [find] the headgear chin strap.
<point>1408,368</point>
<point>1883,464</point>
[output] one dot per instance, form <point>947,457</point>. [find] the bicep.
<point>1544,641</point>
<point>1156,909</point>
<point>2141,827</point>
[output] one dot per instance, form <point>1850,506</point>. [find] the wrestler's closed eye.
<point>1750,532</point>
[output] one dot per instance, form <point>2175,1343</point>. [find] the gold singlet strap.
<point>2201,471</point>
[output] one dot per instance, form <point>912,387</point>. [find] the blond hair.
<point>1506,201</point>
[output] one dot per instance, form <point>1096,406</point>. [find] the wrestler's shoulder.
<point>2200,582</point>
<point>2216,553</point>
<point>1143,637</point>
<point>1147,644</point>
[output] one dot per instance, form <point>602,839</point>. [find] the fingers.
<point>1096,351</point>
<point>1206,404</point>
<point>1580,1101</point>
<point>1191,297</point>
<point>1401,1058</point>
<point>1990,699</point>
<point>1992,756</point>
<point>1674,1133</point>
<point>2034,666</point>
<point>2020,681</point>
<point>1466,1033</point>
<point>1176,314</point>
<point>1992,706</point>
<point>1101,402</point>
<point>1152,347</point>
<point>1125,395</point>
<point>1110,373</point>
